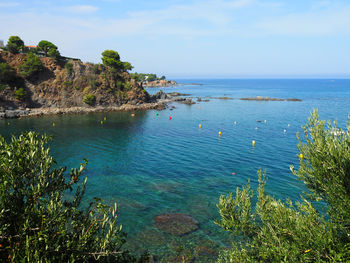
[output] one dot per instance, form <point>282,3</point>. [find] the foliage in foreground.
<point>37,224</point>
<point>274,231</point>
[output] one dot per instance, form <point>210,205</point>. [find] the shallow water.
<point>151,165</point>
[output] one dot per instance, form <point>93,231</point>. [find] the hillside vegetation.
<point>41,77</point>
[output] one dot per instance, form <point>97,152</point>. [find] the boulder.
<point>176,224</point>
<point>160,95</point>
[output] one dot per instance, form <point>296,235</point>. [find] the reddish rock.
<point>177,224</point>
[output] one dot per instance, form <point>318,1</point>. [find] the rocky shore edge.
<point>160,102</point>
<point>159,83</point>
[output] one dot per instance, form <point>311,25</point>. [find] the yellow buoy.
<point>8,124</point>
<point>200,126</point>
<point>301,157</point>
<point>253,143</point>
<point>219,133</point>
<point>101,122</point>
<point>53,124</point>
<point>132,114</point>
<point>105,118</point>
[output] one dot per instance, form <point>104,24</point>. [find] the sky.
<point>192,38</point>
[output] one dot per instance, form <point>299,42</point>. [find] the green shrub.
<point>69,67</point>
<point>93,82</point>
<point>127,86</point>
<point>2,87</point>
<point>7,73</point>
<point>274,231</point>
<point>31,66</point>
<point>89,99</point>
<point>68,84</point>
<point>20,94</point>
<point>38,223</point>
<point>96,69</point>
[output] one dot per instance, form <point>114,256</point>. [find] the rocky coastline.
<point>158,101</point>
<point>159,83</point>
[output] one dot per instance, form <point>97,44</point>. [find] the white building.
<point>2,43</point>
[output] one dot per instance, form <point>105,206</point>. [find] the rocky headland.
<point>71,86</point>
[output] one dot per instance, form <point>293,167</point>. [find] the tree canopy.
<point>274,231</point>
<point>111,58</point>
<point>38,222</point>
<point>31,66</point>
<point>14,44</point>
<point>49,49</point>
<point>46,46</point>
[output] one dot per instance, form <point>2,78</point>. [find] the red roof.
<point>31,46</point>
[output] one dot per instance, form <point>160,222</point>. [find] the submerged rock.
<point>176,224</point>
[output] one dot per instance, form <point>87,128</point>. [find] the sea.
<point>174,161</point>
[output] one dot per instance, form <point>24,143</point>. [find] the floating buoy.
<point>233,173</point>
<point>53,124</point>
<point>101,122</point>
<point>219,133</point>
<point>234,122</point>
<point>157,114</point>
<point>170,118</point>
<point>105,118</point>
<point>265,121</point>
<point>301,157</point>
<point>288,125</point>
<point>200,126</point>
<point>199,107</point>
<point>253,143</point>
<point>8,124</point>
<point>132,114</point>
<point>284,130</point>
<point>256,128</point>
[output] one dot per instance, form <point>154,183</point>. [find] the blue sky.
<point>207,38</point>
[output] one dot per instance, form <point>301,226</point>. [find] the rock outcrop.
<point>159,83</point>
<point>65,84</point>
<point>177,224</point>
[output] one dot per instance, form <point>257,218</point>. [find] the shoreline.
<point>37,112</point>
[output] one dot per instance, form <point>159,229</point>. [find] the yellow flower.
<point>307,251</point>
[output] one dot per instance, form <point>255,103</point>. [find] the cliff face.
<point>66,84</point>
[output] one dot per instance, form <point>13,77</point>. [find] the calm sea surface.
<point>151,165</point>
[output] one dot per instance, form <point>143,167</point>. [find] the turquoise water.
<point>151,165</point>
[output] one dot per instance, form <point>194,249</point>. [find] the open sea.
<point>151,165</point>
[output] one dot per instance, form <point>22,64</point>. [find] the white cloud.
<point>82,9</point>
<point>8,4</point>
